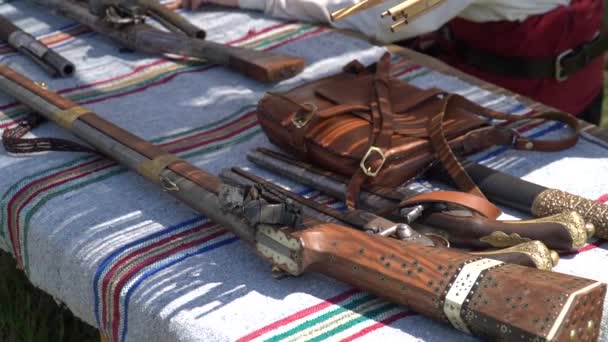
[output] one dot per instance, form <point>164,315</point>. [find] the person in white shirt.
<point>370,24</point>
<point>512,43</point>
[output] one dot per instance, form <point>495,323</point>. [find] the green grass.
<point>29,315</point>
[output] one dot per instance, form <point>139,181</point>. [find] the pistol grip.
<point>562,232</point>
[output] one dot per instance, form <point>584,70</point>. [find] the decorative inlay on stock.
<point>462,287</point>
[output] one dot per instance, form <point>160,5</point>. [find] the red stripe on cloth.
<point>52,185</point>
<point>300,314</point>
<point>121,283</point>
<point>406,70</point>
<point>190,137</point>
<point>379,325</point>
<point>589,247</point>
<point>209,141</point>
<point>110,274</point>
<point>11,203</point>
<point>291,40</point>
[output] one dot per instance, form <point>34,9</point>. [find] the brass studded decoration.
<point>554,201</point>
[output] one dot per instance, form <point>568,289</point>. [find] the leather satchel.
<point>373,128</point>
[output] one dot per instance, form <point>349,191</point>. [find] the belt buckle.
<point>302,120</point>
<point>559,69</point>
<point>368,170</point>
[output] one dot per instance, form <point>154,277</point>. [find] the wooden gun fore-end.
<point>480,296</point>
<point>565,231</point>
<point>265,66</point>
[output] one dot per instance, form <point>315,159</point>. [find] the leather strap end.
<point>152,168</point>
<point>466,200</point>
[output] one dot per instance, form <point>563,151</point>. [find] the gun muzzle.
<point>49,60</point>
<point>53,63</point>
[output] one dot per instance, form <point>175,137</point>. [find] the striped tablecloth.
<point>140,266</point>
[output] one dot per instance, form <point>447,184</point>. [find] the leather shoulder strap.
<point>462,199</point>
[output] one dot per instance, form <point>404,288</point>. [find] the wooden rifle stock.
<point>481,296</point>
<point>503,301</point>
<point>259,65</point>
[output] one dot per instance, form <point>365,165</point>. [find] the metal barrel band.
<point>151,169</point>
<point>66,117</point>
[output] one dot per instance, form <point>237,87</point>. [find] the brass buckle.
<point>368,170</point>
<point>302,120</point>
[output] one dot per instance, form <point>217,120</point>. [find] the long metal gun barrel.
<point>460,289</point>
<point>50,61</point>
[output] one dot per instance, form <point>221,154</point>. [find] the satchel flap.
<point>360,91</point>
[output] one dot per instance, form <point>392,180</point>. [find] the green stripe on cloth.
<point>370,315</point>
<point>308,324</point>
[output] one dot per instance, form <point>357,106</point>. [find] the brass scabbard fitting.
<point>532,252</point>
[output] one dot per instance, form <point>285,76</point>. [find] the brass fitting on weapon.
<point>532,253</point>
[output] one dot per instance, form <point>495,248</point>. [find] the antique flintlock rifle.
<point>124,22</point>
<point>51,62</point>
<point>530,253</point>
<point>564,231</point>
<point>477,295</point>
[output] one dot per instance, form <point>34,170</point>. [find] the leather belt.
<point>559,67</point>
